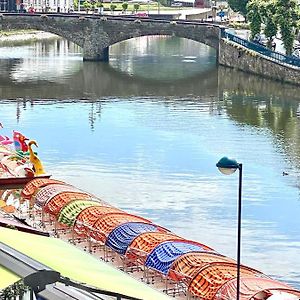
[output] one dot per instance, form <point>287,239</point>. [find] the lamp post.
<point>229,166</point>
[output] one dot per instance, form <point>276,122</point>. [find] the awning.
<point>123,235</point>
<point>210,278</point>
<point>7,278</point>
<point>77,265</point>
<point>70,212</point>
<point>163,255</point>
<point>254,286</point>
<point>107,223</point>
<point>56,203</point>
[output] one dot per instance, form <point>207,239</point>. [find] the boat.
<point>181,268</point>
<point>159,258</point>
<point>17,165</point>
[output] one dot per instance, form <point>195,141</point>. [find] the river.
<point>144,132</point>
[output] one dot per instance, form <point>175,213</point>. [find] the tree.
<point>268,14</point>
<point>239,6</point>
<point>113,8</point>
<point>254,16</point>
<point>287,17</point>
<point>124,6</point>
<point>87,6</point>
<point>136,7</point>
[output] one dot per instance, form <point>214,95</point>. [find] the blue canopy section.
<point>164,254</point>
<point>122,236</point>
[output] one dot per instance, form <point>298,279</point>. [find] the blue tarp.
<point>163,255</point>
<point>122,236</point>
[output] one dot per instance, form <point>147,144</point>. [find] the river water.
<point>144,132</point>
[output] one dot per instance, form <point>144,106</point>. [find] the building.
<point>37,5</point>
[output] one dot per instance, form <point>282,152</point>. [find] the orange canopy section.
<point>210,278</point>
<point>55,204</point>
<point>105,224</point>
<point>187,265</point>
<point>89,216</point>
<point>33,186</point>
<point>46,193</point>
<point>255,286</point>
<point>146,242</point>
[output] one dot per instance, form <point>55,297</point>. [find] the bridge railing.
<point>278,57</point>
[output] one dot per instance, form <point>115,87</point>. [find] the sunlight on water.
<point>145,131</point>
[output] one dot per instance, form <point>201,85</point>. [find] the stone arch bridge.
<point>95,33</point>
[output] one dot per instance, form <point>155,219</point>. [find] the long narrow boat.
<point>181,268</point>
<point>112,239</point>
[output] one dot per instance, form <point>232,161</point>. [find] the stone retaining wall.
<point>240,58</point>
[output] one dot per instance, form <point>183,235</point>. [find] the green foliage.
<point>275,14</point>
<point>113,7</point>
<point>254,17</point>
<point>12,292</point>
<point>239,6</point>
<point>87,5</point>
<point>124,6</point>
<point>136,7</point>
<point>287,17</point>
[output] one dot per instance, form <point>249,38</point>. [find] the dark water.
<point>145,131</point>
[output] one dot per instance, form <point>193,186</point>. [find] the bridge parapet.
<point>96,33</point>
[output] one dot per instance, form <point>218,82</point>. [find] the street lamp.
<point>229,166</point>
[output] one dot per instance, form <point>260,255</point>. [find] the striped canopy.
<point>187,265</point>
<point>32,186</point>
<point>107,223</point>
<point>48,192</point>
<point>210,278</point>
<point>70,212</point>
<point>255,286</point>
<point>56,203</point>
<point>89,216</point>
<point>122,236</point>
<point>164,254</point>
<point>143,244</point>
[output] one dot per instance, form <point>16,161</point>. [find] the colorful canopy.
<point>210,278</point>
<point>164,254</point>
<point>70,212</point>
<point>123,235</point>
<point>32,186</point>
<point>86,218</point>
<point>187,265</point>
<point>51,190</point>
<point>55,204</point>
<point>105,224</point>
<point>255,286</point>
<point>143,244</point>
<point>77,265</point>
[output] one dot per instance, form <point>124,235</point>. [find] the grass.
<point>16,31</point>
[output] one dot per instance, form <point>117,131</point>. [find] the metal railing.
<point>275,56</point>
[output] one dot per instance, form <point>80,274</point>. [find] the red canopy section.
<point>187,265</point>
<point>33,186</point>
<point>107,223</point>
<point>54,205</point>
<point>257,288</point>
<point>86,219</point>
<point>211,277</point>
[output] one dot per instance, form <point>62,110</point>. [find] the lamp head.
<point>227,166</point>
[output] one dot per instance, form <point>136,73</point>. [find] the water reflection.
<point>149,144</point>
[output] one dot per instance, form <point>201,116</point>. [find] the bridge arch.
<point>96,33</point>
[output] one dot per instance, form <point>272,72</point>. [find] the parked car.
<point>176,4</point>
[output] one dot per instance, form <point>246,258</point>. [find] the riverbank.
<point>24,35</point>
